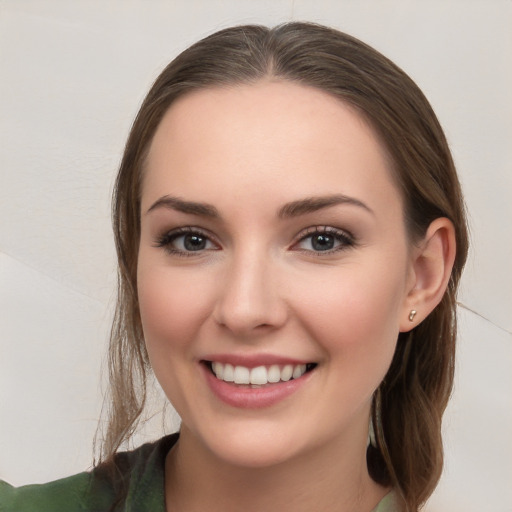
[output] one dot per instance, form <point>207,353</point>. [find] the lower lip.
<point>245,397</point>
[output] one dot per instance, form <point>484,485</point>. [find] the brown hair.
<point>409,404</point>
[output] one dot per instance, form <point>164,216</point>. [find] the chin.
<point>257,446</point>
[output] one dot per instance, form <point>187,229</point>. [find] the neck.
<point>197,480</point>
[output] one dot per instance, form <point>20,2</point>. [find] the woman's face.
<point>273,252</point>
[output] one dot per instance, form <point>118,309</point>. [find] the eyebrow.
<point>289,210</point>
<point>180,205</point>
<point>313,204</point>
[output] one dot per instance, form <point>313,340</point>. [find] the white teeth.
<point>287,372</point>
<point>298,371</point>
<point>228,374</point>
<point>260,375</point>
<point>242,375</point>
<point>218,369</point>
<point>274,373</point>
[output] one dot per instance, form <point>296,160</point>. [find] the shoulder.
<point>140,472</point>
<point>68,494</point>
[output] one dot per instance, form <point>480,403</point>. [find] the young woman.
<point>290,233</point>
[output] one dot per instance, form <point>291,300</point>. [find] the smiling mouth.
<point>260,375</point>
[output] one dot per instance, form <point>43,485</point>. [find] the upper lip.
<point>254,360</point>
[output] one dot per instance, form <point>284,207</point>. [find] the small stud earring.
<point>412,314</point>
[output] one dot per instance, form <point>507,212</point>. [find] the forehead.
<point>273,137</point>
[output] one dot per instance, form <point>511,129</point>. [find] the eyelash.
<point>166,240</point>
<point>345,239</point>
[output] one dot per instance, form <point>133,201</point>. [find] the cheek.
<point>171,306</point>
<point>355,315</point>
<point>170,310</point>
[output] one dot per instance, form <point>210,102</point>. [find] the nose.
<point>251,299</point>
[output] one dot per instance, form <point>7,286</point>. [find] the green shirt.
<point>142,472</point>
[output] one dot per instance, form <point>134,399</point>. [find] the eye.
<point>324,239</point>
<point>186,241</point>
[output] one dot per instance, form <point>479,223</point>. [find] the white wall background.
<point>72,75</point>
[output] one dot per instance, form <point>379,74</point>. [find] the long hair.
<point>409,404</point>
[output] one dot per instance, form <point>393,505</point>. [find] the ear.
<point>431,266</point>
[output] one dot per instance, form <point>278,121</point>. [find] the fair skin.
<point>238,265</point>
